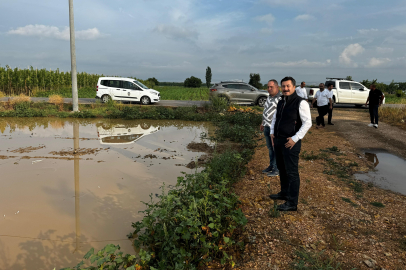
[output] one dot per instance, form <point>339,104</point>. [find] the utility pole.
<point>73,59</point>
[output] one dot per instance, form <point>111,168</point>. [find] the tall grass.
<point>393,116</point>
<point>393,99</point>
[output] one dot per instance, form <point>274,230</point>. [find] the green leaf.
<point>186,236</point>
<point>110,248</point>
<point>132,267</point>
<point>226,240</point>
<point>93,258</point>
<point>89,253</point>
<point>211,225</point>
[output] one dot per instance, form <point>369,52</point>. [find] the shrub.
<point>400,93</point>
<point>193,82</point>
<point>255,80</point>
<point>2,94</point>
<point>154,80</point>
<point>55,99</point>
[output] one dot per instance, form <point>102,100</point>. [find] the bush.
<point>56,99</point>
<point>193,82</point>
<point>154,80</point>
<point>400,93</point>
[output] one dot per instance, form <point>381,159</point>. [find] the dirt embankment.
<point>340,221</point>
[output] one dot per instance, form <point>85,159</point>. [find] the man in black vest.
<point>289,125</point>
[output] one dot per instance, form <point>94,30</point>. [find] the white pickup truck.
<point>345,91</point>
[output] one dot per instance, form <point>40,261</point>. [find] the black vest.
<point>288,120</point>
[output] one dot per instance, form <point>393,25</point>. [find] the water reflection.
<point>76,198</point>
<point>373,158</point>
<point>388,173</point>
<point>122,134</point>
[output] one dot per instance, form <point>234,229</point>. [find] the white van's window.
<point>114,83</point>
<point>140,84</point>
<point>104,82</point>
<point>129,85</point>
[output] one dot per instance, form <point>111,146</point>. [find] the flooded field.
<point>69,185</point>
<point>388,173</point>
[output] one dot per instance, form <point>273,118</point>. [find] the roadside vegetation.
<point>393,116</point>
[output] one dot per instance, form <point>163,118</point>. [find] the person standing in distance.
<point>301,91</point>
<point>289,125</point>
<point>323,104</point>
<point>330,109</point>
<point>267,115</point>
<point>375,99</point>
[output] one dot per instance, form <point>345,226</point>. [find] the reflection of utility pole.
<point>75,100</point>
<point>76,170</point>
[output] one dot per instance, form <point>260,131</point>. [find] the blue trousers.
<point>272,158</point>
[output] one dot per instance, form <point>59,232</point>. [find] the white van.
<point>125,89</point>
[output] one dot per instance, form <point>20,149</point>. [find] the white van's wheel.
<point>145,100</point>
<point>105,98</point>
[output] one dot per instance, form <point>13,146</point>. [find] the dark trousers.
<point>330,114</point>
<point>272,159</point>
<point>323,110</point>
<point>287,161</point>
<point>373,113</point>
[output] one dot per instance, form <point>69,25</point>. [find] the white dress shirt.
<point>322,97</point>
<point>301,92</point>
<point>305,116</point>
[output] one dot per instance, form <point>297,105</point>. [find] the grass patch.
<point>377,204</point>
<point>393,116</point>
<point>349,201</point>
<point>308,260</point>
<point>393,99</point>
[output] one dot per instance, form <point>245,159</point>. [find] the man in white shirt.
<point>330,109</point>
<point>288,127</point>
<point>301,91</point>
<point>323,104</point>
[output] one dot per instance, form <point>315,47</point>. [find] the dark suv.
<point>239,92</point>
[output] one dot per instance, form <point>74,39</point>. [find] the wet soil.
<point>69,185</point>
<point>339,219</point>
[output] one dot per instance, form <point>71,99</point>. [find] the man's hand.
<point>290,143</point>
<point>261,127</point>
<point>272,137</point>
<point>311,105</point>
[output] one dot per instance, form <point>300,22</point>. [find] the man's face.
<point>273,88</point>
<point>330,87</point>
<point>321,86</point>
<point>373,87</point>
<point>303,84</point>
<point>287,88</point>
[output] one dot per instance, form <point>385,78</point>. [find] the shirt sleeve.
<point>273,123</point>
<point>305,116</point>
<point>304,93</point>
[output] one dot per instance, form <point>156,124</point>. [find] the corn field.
<point>27,81</point>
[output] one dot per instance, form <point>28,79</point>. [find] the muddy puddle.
<point>69,185</point>
<point>389,171</point>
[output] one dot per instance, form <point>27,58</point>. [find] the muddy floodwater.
<point>69,185</point>
<point>389,171</point>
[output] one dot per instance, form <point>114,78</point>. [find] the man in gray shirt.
<point>269,110</point>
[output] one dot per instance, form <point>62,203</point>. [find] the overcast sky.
<point>171,40</point>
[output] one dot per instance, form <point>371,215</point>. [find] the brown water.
<point>389,171</point>
<point>69,185</point>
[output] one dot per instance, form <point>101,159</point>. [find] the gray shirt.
<point>270,109</point>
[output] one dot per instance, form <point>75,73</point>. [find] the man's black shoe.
<point>286,207</point>
<point>277,197</point>
<point>267,170</point>
<point>331,124</point>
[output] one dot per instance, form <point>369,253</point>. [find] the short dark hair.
<point>274,81</point>
<point>289,79</point>
<point>328,85</point>
<point>302,82</point>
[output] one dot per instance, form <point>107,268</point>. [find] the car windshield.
<point>142,85</point>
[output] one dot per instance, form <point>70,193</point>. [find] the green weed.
<point>378,204</point>
<point>349,201</point>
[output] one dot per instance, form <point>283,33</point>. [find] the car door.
<point>247,93</point>
<point>232,92</point>
<point>116,88</point>
<point>131,91</point>
<point>359,95</point>
<point>344,92</point>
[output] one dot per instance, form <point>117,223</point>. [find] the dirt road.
<point>353,126</point>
